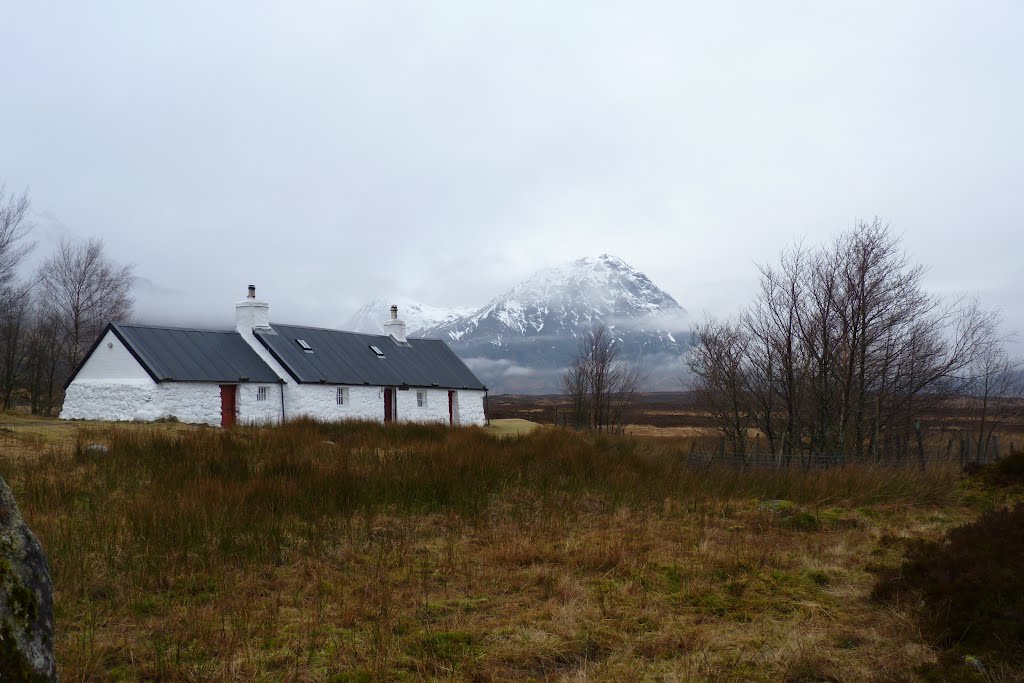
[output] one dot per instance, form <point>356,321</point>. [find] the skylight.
<point>376,350</point>
<point>305,346</point>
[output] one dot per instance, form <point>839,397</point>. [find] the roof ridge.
<point>330,329</point>
<point>171,327</point>
<point>361,334</point>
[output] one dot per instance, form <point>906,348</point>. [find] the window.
<point>261,394</point>
<point>305,345</point>
<point>342,396</point>
<point>421,399</point>
<point>376,350</point>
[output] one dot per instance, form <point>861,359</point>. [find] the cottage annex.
<point>264,373</point>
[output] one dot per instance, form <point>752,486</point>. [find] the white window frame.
<point>261,393</point>
<point>421,398</point>
<point>341,396</point>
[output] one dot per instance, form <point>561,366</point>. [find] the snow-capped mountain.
<point>417,316</point>
<point>521,340</point>
<point>569,300</point>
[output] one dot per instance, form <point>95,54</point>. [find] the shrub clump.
<point>1010,470</point>
<point>1007,472</point>
<point>790,515</point>
<point>969,587</point>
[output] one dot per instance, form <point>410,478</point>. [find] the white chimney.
<point>395,327</point>
<point>250,313</point>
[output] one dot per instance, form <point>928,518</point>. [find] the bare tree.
<point>575,383</point>
<point>600,384</point>
<point>83,290</point>
<point>46,368</point>
<point>721,379</point>
<point>15,323</point>
<point>14,228</point>
<point>14,299</point>
<point>992,389</point>
<point>841,352</point>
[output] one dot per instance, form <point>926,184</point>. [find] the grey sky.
<point>333,152</point>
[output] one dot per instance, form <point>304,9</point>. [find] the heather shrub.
<point>969,587</point>
<point>1006,473</point>
<point>1010,469</point>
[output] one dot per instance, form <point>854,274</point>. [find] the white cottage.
<point>267,373</point>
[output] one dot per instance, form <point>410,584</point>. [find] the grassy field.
<point>360,553</point>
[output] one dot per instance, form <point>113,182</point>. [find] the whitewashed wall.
<point>436,409</point>
<point>471,407</point>
<point>192,402</point>
<point>253,411</point>
<point>319,402</point>
<point>98,400</point>
<point>142,400</point>
<point>199,403</point>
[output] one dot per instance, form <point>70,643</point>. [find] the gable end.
<point>111,328</point>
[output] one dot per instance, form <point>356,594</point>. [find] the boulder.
<point>26,600</point>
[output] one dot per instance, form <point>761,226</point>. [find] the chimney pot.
<point>252,291</point>
<point>395,327</point>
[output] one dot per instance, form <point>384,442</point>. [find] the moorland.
<point>359,552</point>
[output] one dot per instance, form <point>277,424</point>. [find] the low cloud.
<point>675,321</point>
<point>500,367</point>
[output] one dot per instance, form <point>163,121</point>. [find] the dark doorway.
<point>389,404</point>
<point>228,406</point>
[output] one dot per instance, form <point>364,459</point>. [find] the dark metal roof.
<point>346,358</point>
<point>182,355</point>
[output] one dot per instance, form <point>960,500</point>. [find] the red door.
<point>227,404</point>
<point>389,405</point>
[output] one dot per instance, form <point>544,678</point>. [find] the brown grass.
<point>357,552</point>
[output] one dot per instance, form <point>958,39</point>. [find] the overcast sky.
<point>333,152</point>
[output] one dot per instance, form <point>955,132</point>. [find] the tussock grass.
<point>363,552</point>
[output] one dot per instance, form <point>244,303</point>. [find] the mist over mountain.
<point>521,340</point>
<point>418,316</point>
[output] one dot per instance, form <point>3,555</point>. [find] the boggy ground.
<point>358,553</point>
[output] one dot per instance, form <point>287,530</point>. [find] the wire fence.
<point>764,460</point>
<point>964,452</point>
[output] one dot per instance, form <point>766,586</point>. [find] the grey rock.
<point>97,448</point>
<point>26,600</point>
